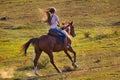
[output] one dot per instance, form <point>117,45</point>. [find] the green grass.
<point>98,55</point>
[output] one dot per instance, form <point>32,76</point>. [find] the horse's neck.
<point>68,30</point>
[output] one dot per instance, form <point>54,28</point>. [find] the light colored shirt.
<point>54,21</point>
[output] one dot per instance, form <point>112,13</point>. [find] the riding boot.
<point>65,43</point>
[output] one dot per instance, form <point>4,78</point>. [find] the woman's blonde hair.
<point>48,13</point>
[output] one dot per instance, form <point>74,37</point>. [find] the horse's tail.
<point>26,45</point>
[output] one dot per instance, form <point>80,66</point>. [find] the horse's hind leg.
<point>50,54</point>
<point>38,53</point>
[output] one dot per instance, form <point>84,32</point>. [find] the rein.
<point>64,28</point>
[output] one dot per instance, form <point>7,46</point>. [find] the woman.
<point>53,21</point>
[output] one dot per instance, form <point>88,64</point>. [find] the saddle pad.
<point>57,36</point>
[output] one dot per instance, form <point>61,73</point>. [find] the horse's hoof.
<point>74,65</point>
<point>59,71</point>
<point>37,74</point>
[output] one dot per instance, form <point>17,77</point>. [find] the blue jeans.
<point>60,32</point>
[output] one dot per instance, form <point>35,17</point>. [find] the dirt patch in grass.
<point>7,73</point>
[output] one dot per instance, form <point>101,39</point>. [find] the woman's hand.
<point>58,24</point>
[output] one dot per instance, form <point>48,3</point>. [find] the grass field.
<point>98,55</point>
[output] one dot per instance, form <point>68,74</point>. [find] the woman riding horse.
<point>53,21</point>
<point>41,44</point>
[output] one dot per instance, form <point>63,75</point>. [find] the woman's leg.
<point>64,36</point>
<point>59,31</point>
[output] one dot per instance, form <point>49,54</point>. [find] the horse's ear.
<point>71,22</point>
<point>63,23</point>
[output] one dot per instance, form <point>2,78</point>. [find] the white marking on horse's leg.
<point>60,71</point>
<point>74,65</point>
<point>36,72</point>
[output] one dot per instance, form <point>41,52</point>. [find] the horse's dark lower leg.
<point>52,62</point>
<point>68,55</point>
<point>38,53</point>
<point>36,59</point>
<point>71,50</point>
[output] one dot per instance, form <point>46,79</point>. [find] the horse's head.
<point>69,28</point>
<point>72,30</point>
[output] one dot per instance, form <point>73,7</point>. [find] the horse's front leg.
<point>74,62</point>
<point>68,55</point>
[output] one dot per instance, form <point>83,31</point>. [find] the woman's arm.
<point>58,23</point>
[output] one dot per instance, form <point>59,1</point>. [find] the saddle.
<point>59,38</point>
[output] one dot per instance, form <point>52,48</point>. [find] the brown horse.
<point>49,44</point>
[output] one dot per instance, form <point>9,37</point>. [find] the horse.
<point>41,44</point>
